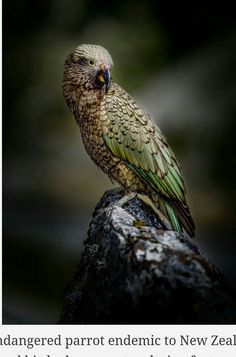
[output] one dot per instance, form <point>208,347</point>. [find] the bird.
<point>121,138</point>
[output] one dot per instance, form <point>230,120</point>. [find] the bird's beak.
<point>107,77</point>
<point>104,78</point>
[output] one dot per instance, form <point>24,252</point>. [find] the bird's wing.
<point>135,139</point>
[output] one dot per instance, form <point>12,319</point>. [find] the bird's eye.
<point>91,62</point>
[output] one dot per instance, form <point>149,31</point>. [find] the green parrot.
<point>120,136</point>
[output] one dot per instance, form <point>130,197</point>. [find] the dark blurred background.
<point>178,61</point>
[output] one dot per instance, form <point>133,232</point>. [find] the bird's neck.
<point>84,103</point>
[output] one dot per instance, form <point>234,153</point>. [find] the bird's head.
<point>89,66</point>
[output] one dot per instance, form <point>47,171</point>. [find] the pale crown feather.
<point>97,52</point>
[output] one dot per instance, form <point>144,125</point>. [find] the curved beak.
<point>107,77</point>
<point>104,78</point>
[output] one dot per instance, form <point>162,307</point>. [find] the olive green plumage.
<point>121,138</point>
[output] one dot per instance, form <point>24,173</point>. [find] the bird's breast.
<point>93,125</point>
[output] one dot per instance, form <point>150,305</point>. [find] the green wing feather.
<point>134,138</point>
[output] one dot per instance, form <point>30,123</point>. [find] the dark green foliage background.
<point>178,60</point>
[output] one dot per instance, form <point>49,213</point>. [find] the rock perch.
<point>132,271</point>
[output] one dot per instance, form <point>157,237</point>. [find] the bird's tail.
<point>177,213</point>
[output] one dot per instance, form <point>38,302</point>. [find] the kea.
<point>121,138</point>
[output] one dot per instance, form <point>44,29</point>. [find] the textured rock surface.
<point>133,271</point>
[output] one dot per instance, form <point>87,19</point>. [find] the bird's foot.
<point>126,198</point>
<point>119,189</point>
